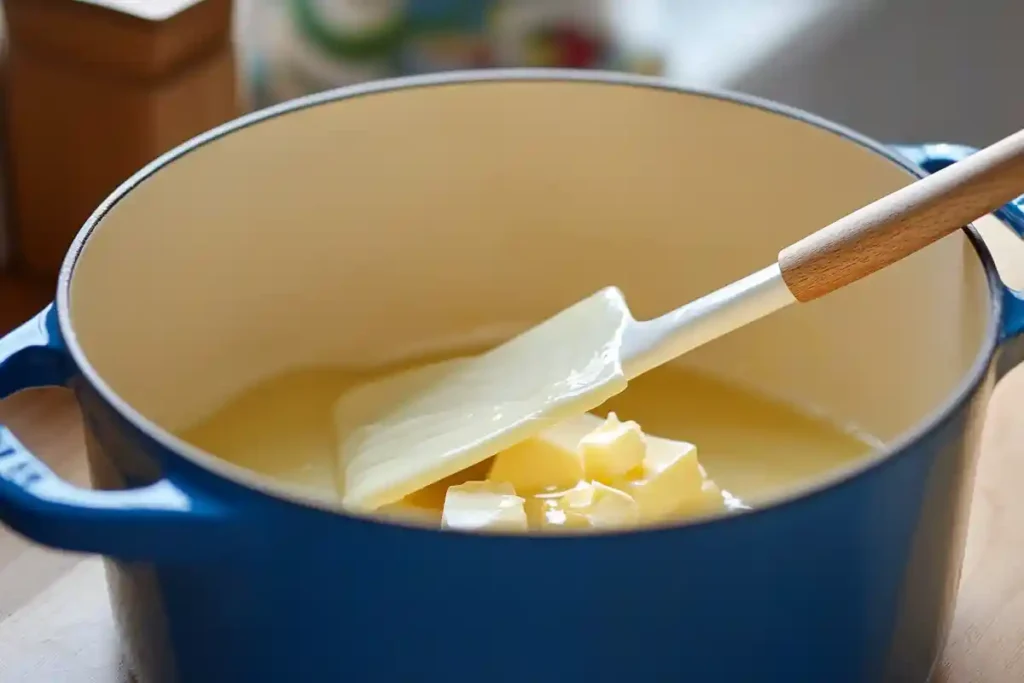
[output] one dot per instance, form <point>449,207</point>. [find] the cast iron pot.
<point>367,224</point>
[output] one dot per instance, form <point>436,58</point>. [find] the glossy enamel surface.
<point>253,250</point>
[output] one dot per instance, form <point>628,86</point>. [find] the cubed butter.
<point>542,463</point>
<point>613,450</point>
<point>426,505</point>
<point>484,506</point>
<point>671,479</point>
<point>711,499</point>
<point>432,497</point>
<point>588,505</point>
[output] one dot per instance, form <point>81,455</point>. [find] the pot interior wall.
<point>363,230</point>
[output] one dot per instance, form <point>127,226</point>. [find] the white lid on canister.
<point>151,10</point>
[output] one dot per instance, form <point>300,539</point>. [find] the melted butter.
<point>751,445</point>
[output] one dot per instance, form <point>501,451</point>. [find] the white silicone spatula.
<point>416,428</point>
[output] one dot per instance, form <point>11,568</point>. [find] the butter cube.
<point>613,450</point>
<point>483,505</point>
<point>671,479</point>
<point>542,463</point>
<point>432,497</point>
<point>589,505</point>
<point>711,499</point>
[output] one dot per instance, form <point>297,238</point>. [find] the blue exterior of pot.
<point>214,582</point>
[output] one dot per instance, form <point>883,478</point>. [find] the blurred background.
<point>894,69</point>
<point>94,89</point>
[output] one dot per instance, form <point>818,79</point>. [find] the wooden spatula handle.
<point>896,226</point>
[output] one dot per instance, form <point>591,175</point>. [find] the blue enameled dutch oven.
<point>361,225</point>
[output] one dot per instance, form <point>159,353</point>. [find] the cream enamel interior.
<point>368,229</point>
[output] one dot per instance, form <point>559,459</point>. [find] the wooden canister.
<point>96,89</point>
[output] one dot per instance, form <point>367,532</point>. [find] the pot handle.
<point>934,157</point>
<point>158,522</point>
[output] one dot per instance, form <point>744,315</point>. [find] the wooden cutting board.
<point>55,623</point>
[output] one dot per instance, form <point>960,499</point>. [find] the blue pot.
<point>374,222</point>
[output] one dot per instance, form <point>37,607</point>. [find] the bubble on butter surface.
<point>613,449</point>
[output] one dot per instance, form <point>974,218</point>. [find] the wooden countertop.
<point>55,623</point>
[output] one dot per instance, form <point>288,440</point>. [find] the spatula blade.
<point>436,422</point>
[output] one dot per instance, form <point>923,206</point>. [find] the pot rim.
<point>255,483</point>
